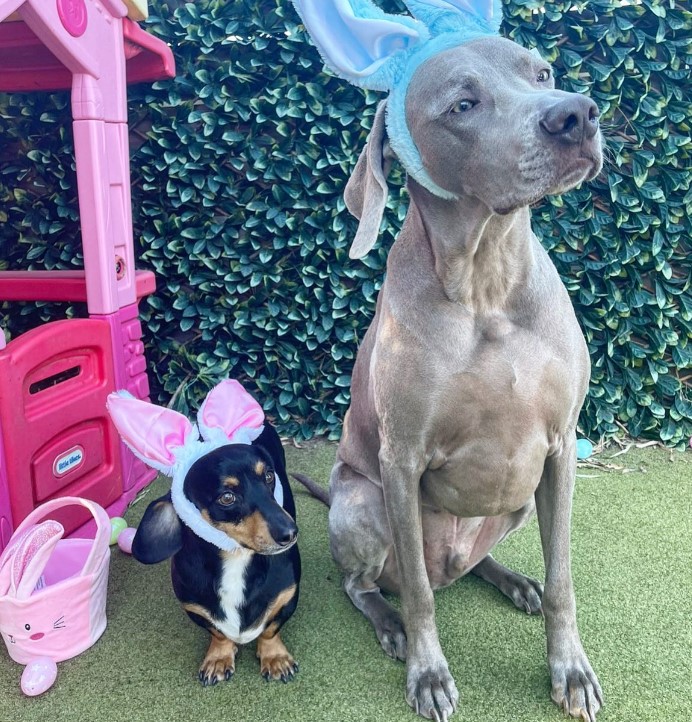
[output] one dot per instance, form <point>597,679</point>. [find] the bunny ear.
<point>152,432</point>
<point>358,41</point>
<point>31,556</point>
<point>439,14</point>
<point>230,409</point>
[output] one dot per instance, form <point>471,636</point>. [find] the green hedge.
<point>238,166</point>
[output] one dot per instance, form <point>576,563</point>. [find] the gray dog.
<point>467,386</point>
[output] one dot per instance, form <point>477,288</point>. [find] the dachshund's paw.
<point>575,688</point>
<point>275,661</point>
<point>283,667</point>
<point>217,670</point>
<point>219,663</point>
<point>432,692</point>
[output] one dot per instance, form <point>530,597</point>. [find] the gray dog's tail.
<point>313,487</point>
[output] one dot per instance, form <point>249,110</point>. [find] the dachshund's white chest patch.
<point>232,597</point>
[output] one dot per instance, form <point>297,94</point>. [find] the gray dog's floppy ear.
<point>366,190</point>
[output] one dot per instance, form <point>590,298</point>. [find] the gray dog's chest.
<point>499,417</point>
<point>501,395</point>
<point>507,372</point>
<point>494,368</point>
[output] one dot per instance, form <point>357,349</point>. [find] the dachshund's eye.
<point>463,106</point>
<point>226,499</point>
<point>543,76</point>
<point>269,477</point>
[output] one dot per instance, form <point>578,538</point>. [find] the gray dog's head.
<point>468,114</point>
<point>489,124</point>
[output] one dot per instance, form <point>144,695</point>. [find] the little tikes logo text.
<point>68,461</point>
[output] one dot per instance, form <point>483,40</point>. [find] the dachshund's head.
<point>233,488</point>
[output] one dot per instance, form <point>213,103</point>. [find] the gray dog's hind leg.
<point>525,592</point>
<point>360,543</point>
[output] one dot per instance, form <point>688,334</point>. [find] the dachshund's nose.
<point>571,120</point>
<point>287,538</point>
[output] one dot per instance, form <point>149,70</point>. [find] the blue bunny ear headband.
<point>379,51</point>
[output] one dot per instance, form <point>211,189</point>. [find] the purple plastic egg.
<point>125,539</point>
<point>38,676</point>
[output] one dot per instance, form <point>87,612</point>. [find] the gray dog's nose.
<point>571,120</point>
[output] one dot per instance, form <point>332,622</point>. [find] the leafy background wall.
<point>238,166</point>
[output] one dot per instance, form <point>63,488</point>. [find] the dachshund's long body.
<point>243,595</point>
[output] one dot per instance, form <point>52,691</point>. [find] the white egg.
<point>39,676</point>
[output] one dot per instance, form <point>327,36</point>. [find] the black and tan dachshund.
<point>242,595</point>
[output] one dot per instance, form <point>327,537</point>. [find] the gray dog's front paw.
<point>432,692</point>
<point>576,689</point>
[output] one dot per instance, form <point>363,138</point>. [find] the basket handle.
<point>103,525</point>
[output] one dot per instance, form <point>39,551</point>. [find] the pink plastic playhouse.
<point>56,438</point>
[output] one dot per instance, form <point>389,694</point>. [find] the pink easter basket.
<point>53,590</point>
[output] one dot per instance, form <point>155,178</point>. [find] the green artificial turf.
<point>632,564</point>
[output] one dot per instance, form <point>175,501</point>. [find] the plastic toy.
<point>55,436</point>
<point>53,591</point>
<point>39,676</point>
<point>125,539</point>
<point>584,448</point>
<point>118,525</point>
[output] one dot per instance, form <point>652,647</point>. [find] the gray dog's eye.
<point>462,106</point>
<point>543,76</point>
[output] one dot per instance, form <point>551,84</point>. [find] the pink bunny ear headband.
<point>169,442</point>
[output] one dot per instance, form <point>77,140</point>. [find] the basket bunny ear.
<point>358,41</point>
<point>229,413</point>
<point>152,432</point>
<point>23,561</point>
<point>31,557</point>
<point>441,15</point>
